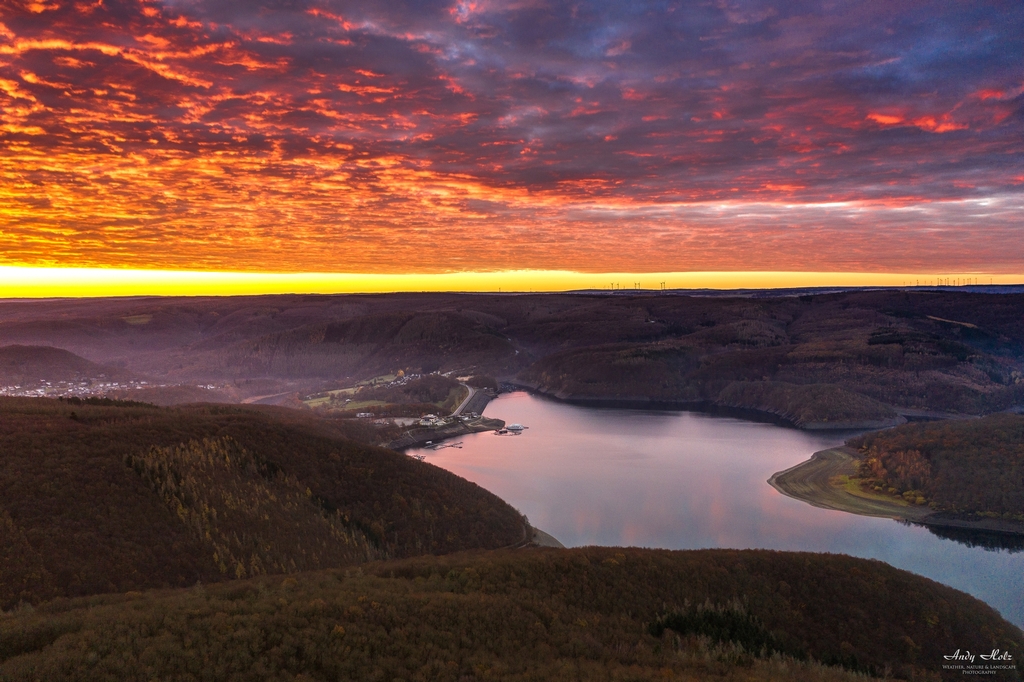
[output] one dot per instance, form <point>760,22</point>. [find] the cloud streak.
<point>342,136</point>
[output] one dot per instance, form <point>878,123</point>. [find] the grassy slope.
<point>528,614</point>
<point>433,393</point>
<point>86,508</point>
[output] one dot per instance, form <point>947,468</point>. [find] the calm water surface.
<point>682,480</point>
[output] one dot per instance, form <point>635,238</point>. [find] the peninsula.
<point>937,474</point>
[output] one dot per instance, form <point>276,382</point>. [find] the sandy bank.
<point>817,483</point>
<point>813,482</point>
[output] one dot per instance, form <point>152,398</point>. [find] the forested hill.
<point>113,497</point>
<point>850,360</point>
<point>32,365</point>
<point>580,614</point>
<point>847,359</point>
<point>972,467</point>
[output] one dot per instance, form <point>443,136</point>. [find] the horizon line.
<point>18,282</point>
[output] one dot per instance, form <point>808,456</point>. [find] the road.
<point>462,405</point>
<point>258,399</point>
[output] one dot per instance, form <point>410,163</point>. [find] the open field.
<point>394,396</point>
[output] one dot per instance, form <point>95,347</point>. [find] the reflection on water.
<point>682,480</point>
<point>991,540</point>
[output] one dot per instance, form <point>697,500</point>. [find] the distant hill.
<point>852,360</point>
<point>816,359</point>
<point>581,614</point>
<point>117,496</point>
<point>416,341</point>
<point>34,364</point>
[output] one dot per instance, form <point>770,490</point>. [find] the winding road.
<point>462,405</point>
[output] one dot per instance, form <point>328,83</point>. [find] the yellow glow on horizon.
<point>32,282</point>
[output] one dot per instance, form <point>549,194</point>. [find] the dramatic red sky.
<point>397,137</point>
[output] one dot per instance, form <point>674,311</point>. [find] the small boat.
<point>500,432</point>
<point>516,428</point>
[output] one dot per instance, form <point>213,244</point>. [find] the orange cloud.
<point>208,135</point>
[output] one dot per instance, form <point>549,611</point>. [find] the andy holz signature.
<point>996,655</point>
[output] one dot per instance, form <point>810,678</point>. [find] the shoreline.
<point>476,401</point>
<point>813,482</point>
<point>708,407</point>
<point>424,435</point>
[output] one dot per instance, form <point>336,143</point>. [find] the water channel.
<point>684,480</point>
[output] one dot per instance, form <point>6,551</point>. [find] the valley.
<point>245,455</point>
<point>840,359</point>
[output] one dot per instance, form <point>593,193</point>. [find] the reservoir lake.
<point>686,480</point>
